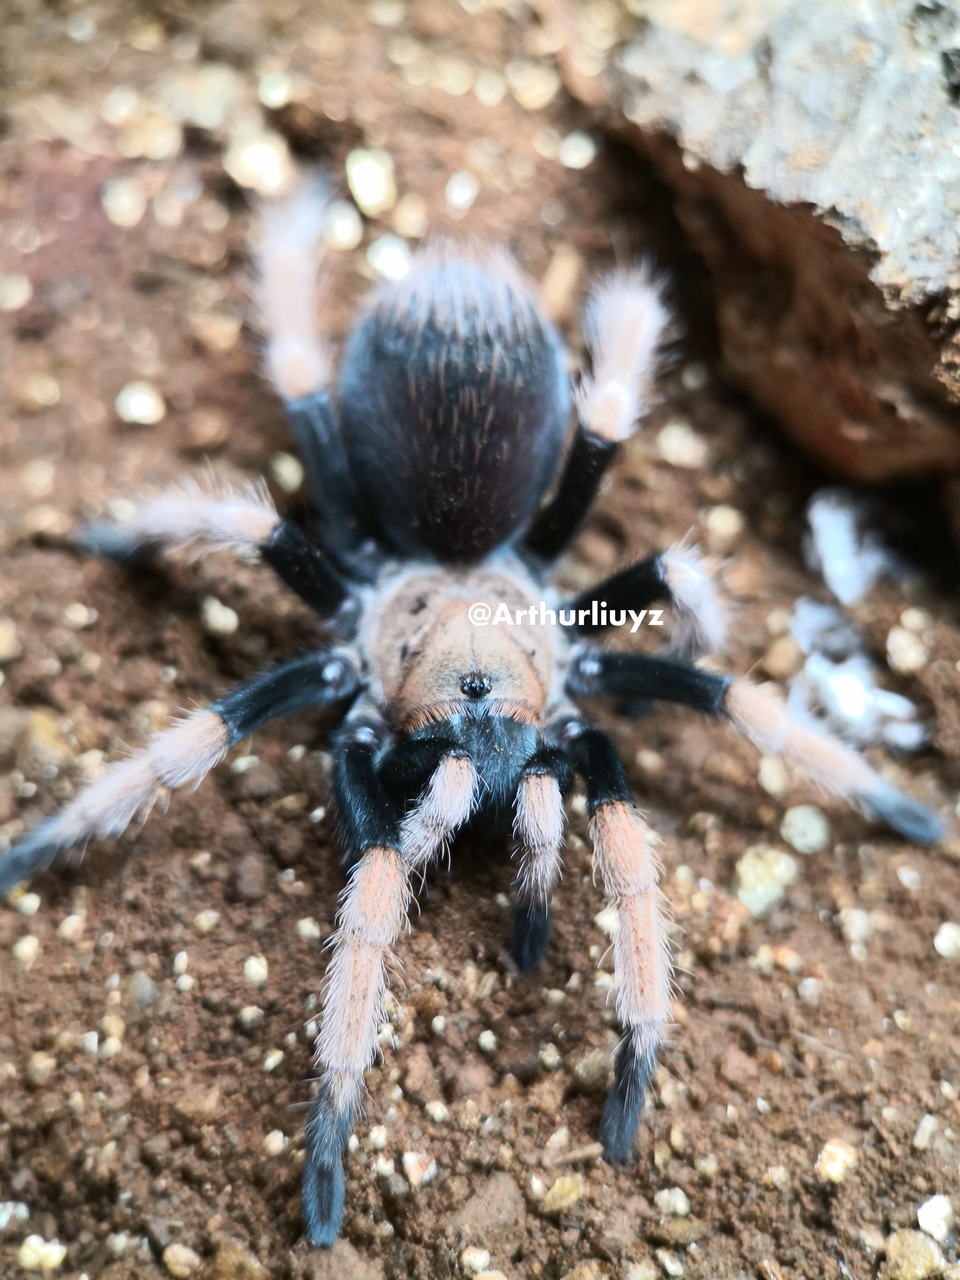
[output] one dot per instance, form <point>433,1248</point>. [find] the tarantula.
<point>452,477</point>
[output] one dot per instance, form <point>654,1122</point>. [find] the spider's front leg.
<point>538,827</point>
<point>630,871</point>
<point>372,913</point>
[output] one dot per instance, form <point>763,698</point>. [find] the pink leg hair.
<point>703,615</point>
<point>538,828</point>
<point>624,323</point>
<point>291,237</point>
<point>447,802</point>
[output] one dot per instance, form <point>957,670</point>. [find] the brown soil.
<point>163,1143</point>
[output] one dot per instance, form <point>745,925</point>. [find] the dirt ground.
<point>179,1122</point>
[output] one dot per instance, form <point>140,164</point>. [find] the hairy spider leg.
<point>760,714</point>
<point>178,757</point>
<point>630,871</point>
<point>683,577</point>
<point>538,829</point>
<point>200,514</point>
<point>624,324</point>
<point>373,912</point>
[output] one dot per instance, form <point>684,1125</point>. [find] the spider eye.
<point>475,684</point>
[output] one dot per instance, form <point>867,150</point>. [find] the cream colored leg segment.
<point>538,828</point>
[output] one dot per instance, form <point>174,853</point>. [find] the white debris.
<point>764,875</point>
<point>371,181</point>
<point>673,1202</point>
<point>947,941</point>
<point>925,1130</point>
<point>218,619</point>
<point>287,471</point>
<point>486,1041</point>
<point>577,150</point>
<point>835,1161</point>
<point>272,1060</point>
<point>855,925</point>
<point>140,403</point>
<point>274,1143</point>
<point>12,1211</point>
<point>389,256</point>
<point>550,1058</point>
<point>935,1217</point>
<point>461,191</point>
<point>906,652</point>
<point>437,1111</point>
<point>850,560</point>
<point>805,828</point>
<point>344,226</point>
<point>681,446</point>
<point>308,929</point>
<point>419,1168</point>
<point>255,970</point>
<point>37,1254</point>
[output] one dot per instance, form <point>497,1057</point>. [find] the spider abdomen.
<point>455,404</point>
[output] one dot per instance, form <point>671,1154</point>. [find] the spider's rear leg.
<point>199,514</point>
<point>681,576</point>
<point>624,323</point>
<point>630,871</point>
<point>759,713</point>
<point>178,757</point>
<point>538,827</point>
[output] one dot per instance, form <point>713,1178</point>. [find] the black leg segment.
<point>304,568</point>
<point>636,587</point>
<point>312,681</point>
<point>554,526</point>
<point>636,675</point>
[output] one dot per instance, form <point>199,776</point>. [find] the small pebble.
<point>461,191</point>
<point>206,921</point>
<point>251,1015</point>
<point>947,941</point>
<point>419,1168</point>
<point>670,1262</point>
<point>15,292</point>
<point>607,920</point>
<point>489,87</point>
<point>389,256</point>
<point>486,1041</point>
<point>37,1254</point>
<point>905,652</point>
<point>911,1255</point>
<point>810,990</point>
<point>377,1138</point>
<point>773,776</point>
<point>272,1060</point>
<point>437,1111</point>
<point>255,970</point>
<point>764,875</point>
<point>9,644</point>
<point>855,925</point>
<point>724,524</point>
<point>783,658</point>
<point>243,764</point>
<point>275,1142</point>
<point>343,229</point>
<point>371,180</point>
<point>78,616</point>
<point>909,877</point>
<point>26,950</point>
<point>275,89</point>
<point>384,1168</point>
<point>71,927</point>
<point>28,904</point>
<point>924,1132</point>
<point>681,446</point>
<point>261,162</point>
<point>673,1202</point>
<point>40,1067</point>
<point>12,1211</point>
<point>474,1259</point>
<point>410,217</point>
<point>577,150</point>
<point>935,1216</point>
<point>185,983</point>
<point>287,471</point>
<point>805,828</point>
<point>180,962</point>
<point>308,929</point>
<point>40,391</point>
<point>181,1261</point>
<point>124,201</point>
<point>140,403</point>
<point>564,1194</point>
<point>110,1048</point>
<point>916,620</point>
<point>218,619</point>
<point>533,84</point>
<point>835,1161</point>
<point>550,1058</point>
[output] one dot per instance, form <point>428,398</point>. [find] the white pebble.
<point>805,828</point>
<point>577,150</point>
<point>272,1060</point>
<point>681,446</point>
<point>905,652</point>
<point>550,1058</point>
<point>28,904</point>
<point>91,1043</point>
<point>26,950</point>
<point>773,776</point>
<point>140,403</point>
<point>935,1217</point>
<point>462,190</point>
<point>384,1168</point>
<point>287,471</point>
<point>389,256</point>
<point>489,87</point>
<point>437,1111</point>
<point>15,292</point>
<point>274,89</point>
<point>37,1254</point>
<point>110,1048</point>
<point>180,962</point>
<point>185,983</point>
<point>438,1024</point>
<point>243,764</point>
<point>275,1141</point>
<point>835,1161</point>
<point>344,227</point>
<point>262,162</point>
<point>71,927</point>
<point>909,877</point>
<point>673,1202</point>
<point>855,925</point>
<point>124,201</point>
<point>371,181</point>
<point>924,1132</point>
<point>250,1015</point>
<point>12,1211</point>
<point>318,814</point>
<point>764,876</point>
<point>607,920</point>
<point>809,990</point>
<point>255,970</point>
<point>947,941</point>
<point>486,1041</point>
<point>78,616</point>
<point>308,929</point>
<point>377,1138</point>
<point>725,523</point>
<point>420,1168</point>
<point>218,619</point>
<point>474,1259</point>
<point>206,921</point>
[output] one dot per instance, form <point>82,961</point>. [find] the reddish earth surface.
<point>172,1130</point>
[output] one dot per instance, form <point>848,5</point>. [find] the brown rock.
<point>737,1067</point>
<point>198,1104</point>
<point>420,1082</point>
<point>342,1262</point>
<point>493,1216</point>
<point>234,1261</point>
<point>250,877</point>
<point>677,1232</point>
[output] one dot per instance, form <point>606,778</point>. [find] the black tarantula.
<point>451,479</point>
